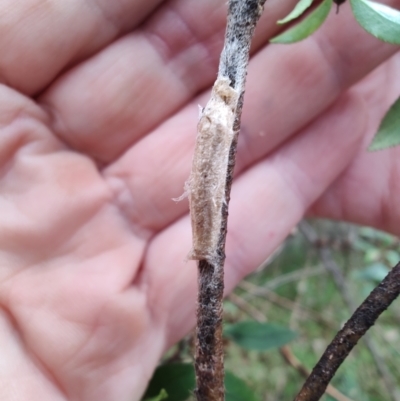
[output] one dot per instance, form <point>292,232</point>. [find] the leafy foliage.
<point>388,134</point>
<point>237,389</point>
<point>259,336</point>
<point>311,304</point>
<point>161,396</point>
<point>379,20</point>
<point>375,272</point>
<point>177,379</point>
<point>307,26</point>
<point>298,10</point>
<point>302,295</point>
<point>177,382</point>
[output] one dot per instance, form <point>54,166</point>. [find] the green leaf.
<point>372,255</point>
<point>392,257</point>
<point>389,131</point>
<point>259,336</point>
<point>306,27</point>
<point>177,379</point>
<point>375,272</point>
<point>378,237</point>
<point>378,19</point>
<point>162,396</point>
<point>236,389</point>
<point>299,9</point>
<point>177,382</point>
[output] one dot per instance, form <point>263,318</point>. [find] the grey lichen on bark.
<point>209,188</point>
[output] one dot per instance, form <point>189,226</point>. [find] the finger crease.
<point>182,39</point>
<point>124,201</point>
<point>335,58</point>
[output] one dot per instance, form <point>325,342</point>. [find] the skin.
<point>98,108</point>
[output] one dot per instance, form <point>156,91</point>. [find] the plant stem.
<point>290,358</point>
<point>340,281</point>
<point>362,319</point>
<point>209,188</point>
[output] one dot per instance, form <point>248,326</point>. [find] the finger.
<point>39,38</point>
<point>291,99</point>
<point>105,104</point>
<point>108,103</point>
<point>51,198</point>
<point>66,253</point>
<point>267,201</point>
<point>368,192</point>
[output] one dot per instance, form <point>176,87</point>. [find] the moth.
<point>206,186</point>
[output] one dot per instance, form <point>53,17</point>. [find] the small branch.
<point>285,303</point>
<point>209,188</point>
<point>329,263</point>
<point>290,358</point>
<point>286,278</point>
<point>340,281</point>
<point>247,307</point>
<point>362,319</point>
<point>285,351</point>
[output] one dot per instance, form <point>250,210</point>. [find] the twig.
<point>209,188</point>
<point>247,307</point>
<point>329,263</point>
<point>290,358</point>
<point>284,351</point>
<point>285,303</point>
<point>362,319</point>
<point>286,278</point>
<point>327,259</point>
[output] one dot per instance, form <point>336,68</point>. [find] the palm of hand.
<point>93,283</point>
<point>70,314</point>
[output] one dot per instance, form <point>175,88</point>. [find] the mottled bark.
<point>209,189</point>
<point>362,319</point>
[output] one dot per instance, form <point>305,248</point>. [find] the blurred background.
<point>280,319</point>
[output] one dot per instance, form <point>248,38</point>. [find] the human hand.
<point>98,109</point>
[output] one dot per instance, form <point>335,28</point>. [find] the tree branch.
<point>362,319</point>
<point>209,188</point>
<point>340,281</point>
<point>290,358</point>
